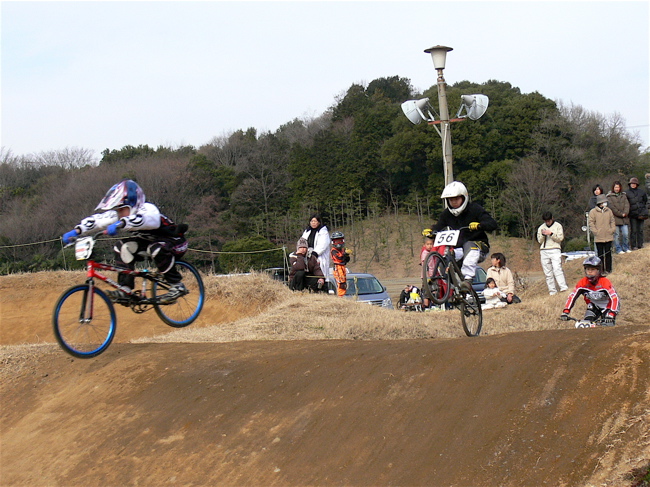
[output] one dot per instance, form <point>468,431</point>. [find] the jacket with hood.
<point>602,224</point>
<point>620,206</point>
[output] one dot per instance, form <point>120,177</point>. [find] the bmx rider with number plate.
<point>124,207</point>
<point>473,221</point>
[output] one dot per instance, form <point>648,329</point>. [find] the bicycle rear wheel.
<point>186,308</point>
<point>471,313</point>
<point>436,280</point>
<point>84,329</point>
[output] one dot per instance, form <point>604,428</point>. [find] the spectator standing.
<point>340,257</point>
<point>305,271</point>
<point>318,239</point>
<point>550,235</point>
<point>620,206</point>
<point>503,277</point>
<point>603,226</point>
<point>638,212</point>
<point>597,190</point>
<point>427,247</point>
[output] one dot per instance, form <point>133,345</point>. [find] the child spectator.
<point>493,295</point>
<point>340,257</point>
<point>599,294</point>
<point>427,247</point>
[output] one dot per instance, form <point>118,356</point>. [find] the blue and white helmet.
<point>125,193</point>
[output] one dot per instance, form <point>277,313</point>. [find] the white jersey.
<point>146,218</point>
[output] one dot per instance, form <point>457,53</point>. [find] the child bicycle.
<point>84,317</point>
<point>442,282</point>
<point>589,324</point>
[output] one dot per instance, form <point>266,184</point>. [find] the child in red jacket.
<point>340,257</point>
<point>599,294</point>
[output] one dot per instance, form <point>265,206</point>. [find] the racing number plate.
<point>448,237</point>
<point>83,248</point>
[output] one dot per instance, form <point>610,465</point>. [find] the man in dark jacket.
<point>461,213</point>
<point>305,272</point>
<point>638,212</point>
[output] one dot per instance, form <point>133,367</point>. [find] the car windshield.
<point>365,285</point>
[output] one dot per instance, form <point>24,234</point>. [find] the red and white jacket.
<point>602,295</point>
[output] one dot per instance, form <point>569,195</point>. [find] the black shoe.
<point>175,292</point>
<point>118,296</point>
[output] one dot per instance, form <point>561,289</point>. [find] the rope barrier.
<point>189,249</point>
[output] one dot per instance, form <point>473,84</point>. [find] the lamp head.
<point>474,105</point>
<point>439,55</point>
<point>415,110</point>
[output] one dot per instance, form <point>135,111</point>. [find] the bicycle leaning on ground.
<point>443,278</point>
<point>84,317</point>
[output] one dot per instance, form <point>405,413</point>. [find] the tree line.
<point>360,159</point>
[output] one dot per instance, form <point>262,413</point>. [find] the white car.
<point>363,287</point>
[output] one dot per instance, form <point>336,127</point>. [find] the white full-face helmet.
<point>453,189</point>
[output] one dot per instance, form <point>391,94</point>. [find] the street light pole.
<point>439,56</point>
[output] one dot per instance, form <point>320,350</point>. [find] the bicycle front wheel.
<point>84,323</point>
<point>436,280</point>
<point>471,313</point>
<point>186,308</point>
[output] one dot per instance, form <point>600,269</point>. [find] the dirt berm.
<point>537,408</point>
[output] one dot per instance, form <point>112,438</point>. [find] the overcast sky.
<point>102,75</point>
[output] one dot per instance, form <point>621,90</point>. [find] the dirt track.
<point>560,407</point>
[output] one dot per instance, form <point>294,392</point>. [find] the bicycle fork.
<point>86,312</point>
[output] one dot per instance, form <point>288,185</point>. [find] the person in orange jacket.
<point>340,258</point>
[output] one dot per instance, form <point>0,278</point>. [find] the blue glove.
<point>69,237</point>
<point>113,228</point>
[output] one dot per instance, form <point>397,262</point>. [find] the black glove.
<point>564,316</point>
<point>314,253</point>
<point>608,321</point>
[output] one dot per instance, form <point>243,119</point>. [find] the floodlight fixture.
<point>474,106</point>
<point>439,55</point>
<point>415,110</point>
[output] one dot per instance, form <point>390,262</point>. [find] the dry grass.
<point>283,315</point>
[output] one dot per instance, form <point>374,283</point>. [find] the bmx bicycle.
<point>442,279</point>
<point>588,324</point>
<point>84,318</point>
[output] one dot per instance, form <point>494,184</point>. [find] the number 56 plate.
<point>448,237</point>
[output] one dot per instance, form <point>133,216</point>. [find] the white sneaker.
<point>628,251</point>
<point>620,252</point>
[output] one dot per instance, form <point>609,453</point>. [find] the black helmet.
<point>338,240</point>
<point>593,262</point>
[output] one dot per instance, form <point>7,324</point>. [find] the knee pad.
<point>126,251</point>
<point>161,256</point>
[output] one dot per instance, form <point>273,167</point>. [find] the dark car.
<point>479,283</point>
<point>363,287</point>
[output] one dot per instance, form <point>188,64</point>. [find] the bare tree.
<point>534,187</point>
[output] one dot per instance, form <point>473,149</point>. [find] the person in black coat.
<point>473,221</point>
<point>638,212</point>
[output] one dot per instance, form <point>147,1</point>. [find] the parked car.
<point>363,287</point>
<point>479,283</point>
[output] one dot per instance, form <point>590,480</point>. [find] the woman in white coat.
<point>318,238</point>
